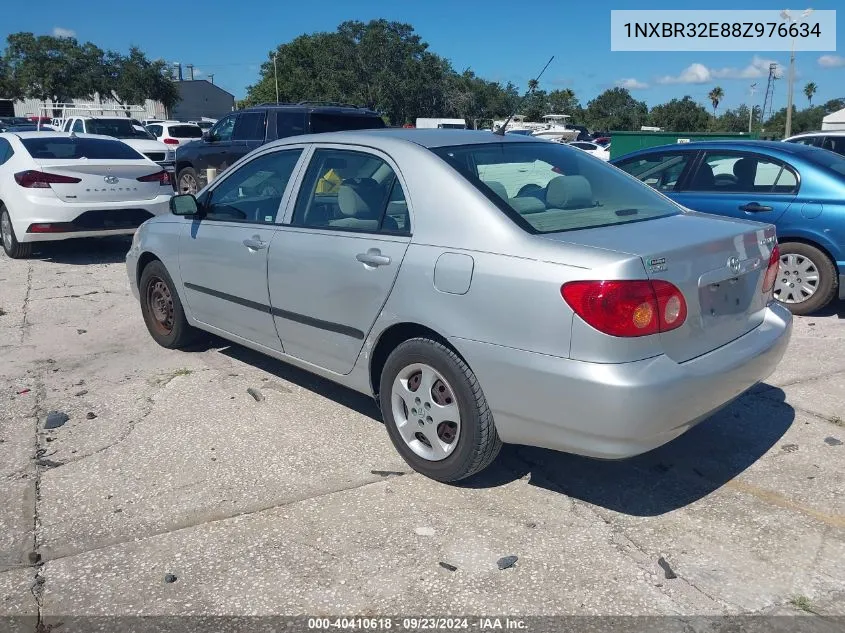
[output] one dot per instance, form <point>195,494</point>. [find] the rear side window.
<point>290,124</point>
<point>155,130</point>
<point>5,150</point>
<point>184,131</point>
<point>249,126</point>
<point>73,148</point>
<point>323,122</point>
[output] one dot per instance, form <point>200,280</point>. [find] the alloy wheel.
<point>188,184</point>
<point>6,230</point>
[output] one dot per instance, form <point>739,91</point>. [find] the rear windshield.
<point>118,128</point>
<point>184,131</point>
<point>321,122</point>
<point>67,147</point>
<point>548,187</point>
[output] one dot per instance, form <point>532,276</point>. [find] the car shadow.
<point>664,479</point>
<point>834,308</point>
<point>84,251</point>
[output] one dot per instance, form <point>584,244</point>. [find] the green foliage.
<point>809,91</point>
<point>680,115</point>
<point>616,109</point>
<point>716,95</point>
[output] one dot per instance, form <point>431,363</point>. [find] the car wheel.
<point>162,309</point>
<point>435,412</point>
<point>806,280</point>
<point>187,181</point>
<point>11,246</point>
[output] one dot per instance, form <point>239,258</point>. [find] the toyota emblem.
<point>733,264</point>
<point>112,180</point>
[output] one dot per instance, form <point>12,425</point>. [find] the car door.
<point>223,251</point>
<point>215,150</point>
<point>248,133</point>
<point>333,264</point>
<point>739,184</point>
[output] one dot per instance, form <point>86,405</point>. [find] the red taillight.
<point>171,141</point>
<point>161,177</point>
<point>57,227</point>
<point>32,179</point>
<point>772,270</point>
<point>627,308</point>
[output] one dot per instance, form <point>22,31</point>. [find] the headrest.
<point>745,169</point>
<point>704,178</point>
<point>569,192</point>
<point>498,188</point>
<point>359,199</point>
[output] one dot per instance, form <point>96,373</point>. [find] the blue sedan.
<point>799,189</point>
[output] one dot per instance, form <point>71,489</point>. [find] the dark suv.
<point>240,132</point>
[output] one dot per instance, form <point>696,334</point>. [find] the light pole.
<point>786,16</point>
<point>276,76</point>
<point>751,105</point>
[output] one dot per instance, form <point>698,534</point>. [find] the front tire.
<point>11,246</point>
<point>807,279</point>
<point>435,411</point>
<point>162,309</point>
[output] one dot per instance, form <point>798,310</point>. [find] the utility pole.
<point>752,90</point>
<point>787,17</point>
<point>211,78</point>
<point>190,71</point>
<point>276,76</point>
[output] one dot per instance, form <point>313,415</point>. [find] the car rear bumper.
<point>614,411</point>
<point>73,220</point>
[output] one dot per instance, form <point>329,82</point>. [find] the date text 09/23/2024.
<point>417,623</point>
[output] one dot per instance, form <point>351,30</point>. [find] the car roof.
<point>307,106</point>
<point>727,144</point>
<point>819,133</point>
<point>428,138</point>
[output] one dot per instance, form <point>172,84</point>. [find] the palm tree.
<point>809,91</point>
<point>715,96</point>
<point>532,85</point>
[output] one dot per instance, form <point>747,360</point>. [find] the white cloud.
<point>631,84</point>
<point>700,74</point>
<point>59,31</point>
<point>831,61</point>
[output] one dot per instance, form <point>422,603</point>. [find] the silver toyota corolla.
<point>483,288</point>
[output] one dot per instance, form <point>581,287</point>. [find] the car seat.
<point>569,192</point>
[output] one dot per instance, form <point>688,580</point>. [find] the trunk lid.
<point>103,180</point>
<point>717,263</point>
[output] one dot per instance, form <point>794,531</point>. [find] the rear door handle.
<point>373,257</point>
<point>754,207</point>
<point>255,244</point>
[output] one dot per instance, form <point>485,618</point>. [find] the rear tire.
<point>186,181</point>
<point>797,258</point>
<point>11,246</point>
<point>476,443</point>
<point>162,309</point>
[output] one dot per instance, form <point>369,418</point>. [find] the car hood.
<point>146,145</point>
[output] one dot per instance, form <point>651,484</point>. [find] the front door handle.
<point>754,207</point>
<point>255,244</point>
<point>373,257</point>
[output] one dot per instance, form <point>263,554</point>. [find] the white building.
<point>834,120</point>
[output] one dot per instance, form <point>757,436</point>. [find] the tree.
<point>533,84</point>
<point>680,115</point>
<point>715,96</point>
<point>809,91</point>
<point>132,79</point>
<point>616,109</point>
<point>10,88</point>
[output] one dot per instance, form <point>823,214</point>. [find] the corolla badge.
<point>112,180</point>
<point>733,264</point>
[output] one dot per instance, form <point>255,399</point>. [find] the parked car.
<point>613,319</point>
<point>174,133</point>
<point>799,189</point>
<point>131,132</point>
<point>54,186</point>
<point>6,122</point>
<point>833,140</point>
<point>237,134</point>
<point>204,124</point>
<point>604,141</point>
<point>594,149</point>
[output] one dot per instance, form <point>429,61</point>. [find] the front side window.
<point>661,171</point>
<point>249,126</point>
<point>222,130</point>
<point>726,172</point>
<point>352,191</point>
<point>549,187</point>
<point>78,126</point>
<point>253,193</point>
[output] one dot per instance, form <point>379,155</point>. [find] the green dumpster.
<point>626,142</point>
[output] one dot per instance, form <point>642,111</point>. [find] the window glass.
<point>806,140</point>
<point>249,126</point>
<point>253,193</point>
<point>78,147</point>
<point>289,124</point>
<point>834,144</point>
<point>222,130</point>
<point>78,126</point>
<point>550,187</point>
<point>155,130</point>
<point>351,191</point>
<point>5,150</point>
<point>183,131</point>
<point>325,122</point>
<point>660,171</point>
<point>742,173</point>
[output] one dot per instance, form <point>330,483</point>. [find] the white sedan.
<point>55,186</point>
<point>592,148</point>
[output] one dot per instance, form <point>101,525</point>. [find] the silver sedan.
<point>483,288</point>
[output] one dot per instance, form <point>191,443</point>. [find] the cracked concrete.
<point>298,503</point>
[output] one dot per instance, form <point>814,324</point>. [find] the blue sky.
<point>498,40</point>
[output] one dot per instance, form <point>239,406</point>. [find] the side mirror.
<point>184,205</point>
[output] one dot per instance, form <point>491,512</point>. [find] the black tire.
<point>478,443</point>
<point>166,323</point>
<point>11,246</point>
<point>828,278</point>
<point>190,173</point>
